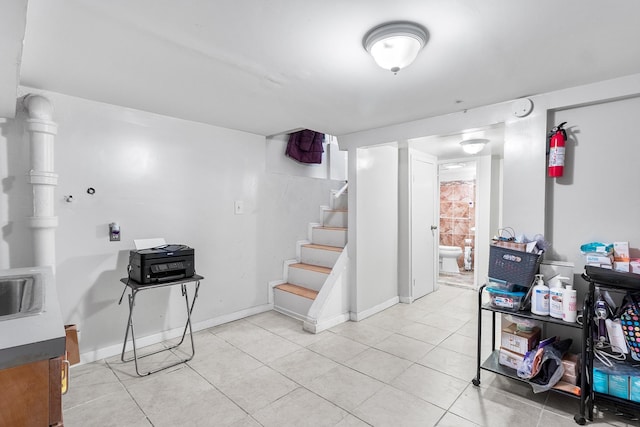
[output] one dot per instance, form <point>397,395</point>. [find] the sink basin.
<point>20,296</point>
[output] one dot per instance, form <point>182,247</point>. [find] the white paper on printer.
<point>149,243</point>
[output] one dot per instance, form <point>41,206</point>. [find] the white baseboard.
<point>272,284</point>
<point>290,313</point>
<point>113,350</point>
<point>356,317</point>
<point>406,300</point>
<point>316,328</point>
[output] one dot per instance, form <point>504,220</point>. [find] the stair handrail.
<point>342,190</point>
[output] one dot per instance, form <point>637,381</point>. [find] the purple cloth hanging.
<point>305,146</point>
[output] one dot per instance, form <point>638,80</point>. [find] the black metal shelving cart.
<point>621,283</point>
<point>492,364</point>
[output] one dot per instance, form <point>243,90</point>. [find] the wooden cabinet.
<point>30,394</point>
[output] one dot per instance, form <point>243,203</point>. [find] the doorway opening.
<point>457,237</point>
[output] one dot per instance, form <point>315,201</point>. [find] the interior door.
<point>424,223</point>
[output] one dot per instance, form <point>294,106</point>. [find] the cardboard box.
<point>621,256</point>
<point>600,381</point>
<point>634,389</point>
<point>621,266</point>
<point>571,379</point>
<point>619,386</point>
<point>510,245</point>
<point>593,259</point>
<point>518,341</point>
<point>510,359</point>
<point>571,364</point>
<point>72,349</point>
<point>621,251</point>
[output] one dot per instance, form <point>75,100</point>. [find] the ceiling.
<point>268,67</point>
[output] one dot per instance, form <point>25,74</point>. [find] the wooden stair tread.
<point>298,290</point>
<point>315,268</point>
<point>324,247</point>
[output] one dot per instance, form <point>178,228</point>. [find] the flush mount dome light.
<point>395,45</point>
<point>473,146</point>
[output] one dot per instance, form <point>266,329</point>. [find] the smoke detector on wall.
<point>522,107</point>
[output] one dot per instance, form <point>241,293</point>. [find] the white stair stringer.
<point>331,306</point>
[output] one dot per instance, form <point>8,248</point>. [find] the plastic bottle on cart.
<point>556,292</point>
<point>540,298</point>
<point>569,304</point>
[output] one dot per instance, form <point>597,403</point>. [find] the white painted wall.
<point>333,164</point>
<point>523,185</point>
<point>376,262</point>
<point>597,198</point>
<point>157,177</point>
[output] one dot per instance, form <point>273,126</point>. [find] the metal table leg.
<point>189,308</point>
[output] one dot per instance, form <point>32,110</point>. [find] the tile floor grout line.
<point>259,325</point>
<point>130,395</point>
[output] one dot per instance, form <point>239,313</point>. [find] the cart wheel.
<point>475,382</point>
<point>580,419</point>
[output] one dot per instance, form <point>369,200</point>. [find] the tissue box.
<point>634,265</point>
<point>519,341</point>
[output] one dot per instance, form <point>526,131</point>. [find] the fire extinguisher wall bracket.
<point>557,142</point>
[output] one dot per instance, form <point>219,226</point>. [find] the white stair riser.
<point>289,303</point>
<point>340,202</point>
<point>321,257</point>
<point>307,278</point>
<point>334,218</point>
<point>323,236</point>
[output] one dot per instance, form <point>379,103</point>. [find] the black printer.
<point>161,264</point>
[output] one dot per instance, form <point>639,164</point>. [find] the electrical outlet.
<point>238,207</point>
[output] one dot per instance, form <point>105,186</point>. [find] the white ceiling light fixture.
<point>473,146</point>
<point>395,45</point>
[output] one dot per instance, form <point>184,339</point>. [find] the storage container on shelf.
<point>506,300</point>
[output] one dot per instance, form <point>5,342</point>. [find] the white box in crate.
<point>510,358</point>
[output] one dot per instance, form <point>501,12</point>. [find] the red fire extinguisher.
<point>557,139</point>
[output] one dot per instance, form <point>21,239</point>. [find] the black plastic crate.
<point>513,266</point>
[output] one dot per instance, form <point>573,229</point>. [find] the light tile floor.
<point>410,365</point>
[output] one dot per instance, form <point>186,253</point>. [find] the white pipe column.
<point>42,131</point>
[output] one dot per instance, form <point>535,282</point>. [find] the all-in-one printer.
<point>161,264</point>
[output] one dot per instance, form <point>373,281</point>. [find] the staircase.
<point>305,276</point>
